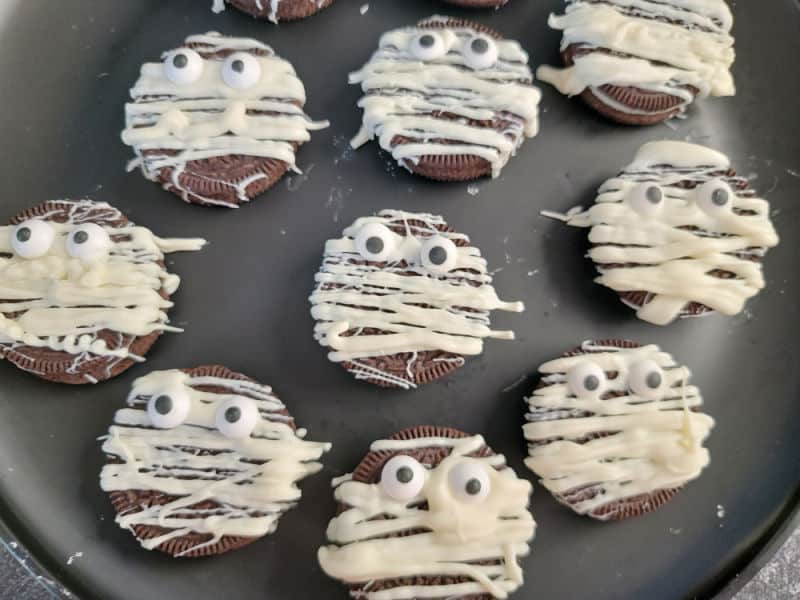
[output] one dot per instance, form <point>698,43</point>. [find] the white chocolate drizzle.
<point>403,95</point>
<point>252,481</point>
<point>170,124</point>
<point>656,443</point>
<point>671,254</point>
<point>456,534</point>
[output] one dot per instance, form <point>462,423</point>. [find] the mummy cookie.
<point>430,512</point>
<point>678,233</point>
<point>449,99</point>
<point>274,10</point>
<point>218,121</point>
<point>401,299</point>
<point>614,429</point>
<point>478,3</point>
<point>84,292</point>
<point>204,461</point>
<point>641,62</point>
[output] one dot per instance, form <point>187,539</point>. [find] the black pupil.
<point>404,474</point>
<point>654,195</point>
<point>473,487</point>
<point>180,61</point>
<point>479,46</point>
<point>426,41</point>
<point>591,383</point>
<point>237,65</point>
<point>163,405</point>
<point>720,197</point>
<point>653,380</point>
<point>437,255</point>
<point>24,234</point>
<point>233,414</point>
<point>80,237</point>
<point>374,245</point>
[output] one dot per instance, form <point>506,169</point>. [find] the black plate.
<point>66,68</point>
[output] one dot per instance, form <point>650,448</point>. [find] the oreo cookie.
<point>218,121</point>
<point>431,512</point>
<point>478,3</point>
<point>85,292</point>
<point>643,63</point>
<point>204,461</point>
<point>614,429</point>
<point>274,10</point>
<point>401,299</point>
<point>450,99</point>
<point>678,234</point>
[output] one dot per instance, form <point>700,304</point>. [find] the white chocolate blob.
<point>667,259</point>
<point>64,300</point>
<point>403,92</point>
<point>252,479</point>
<point>169,124</point>
<point>657,441</point>
<point>495,526</point>
<point>219,5</point>
<point>354,293</point>
<point>657,45</point>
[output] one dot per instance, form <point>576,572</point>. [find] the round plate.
<point>244,299</point>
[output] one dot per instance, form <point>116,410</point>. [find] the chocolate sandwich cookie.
<point>401,299</point>
<point>84,292</point>
<point>614,429</point>
<point>642,63</point>
<point>678,233</point>
<point>218,121</point>
<point>449,99</point>
<point>431,512</point>
<point>478,3</point>
<point>204,461</point>
<point>275,10</point>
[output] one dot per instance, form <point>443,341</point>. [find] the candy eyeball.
<point>32,238</point>
<point>237,418</point>
<point>241,70</point>
<point>88,241</point>
<point>438,255</point>
<point>183,66</point>
<point>402,478</point>
<point>480,52</point>
<point>586,380</point>
<point>168,408</point>
<point>646,379</point>
<point>375,242</point>
<point>469,482</point>
<point>647,199</point>
<point>428,45</point>
<point>715,197</point>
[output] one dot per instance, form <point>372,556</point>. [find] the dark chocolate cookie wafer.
<point>87,290</point>
<point>449,99</point>
<point>443,512</point>
<point>180,477</point>
<point>614,429</point>
<point>402,298</point>
<point>218,121</point>
<point>276,10</point>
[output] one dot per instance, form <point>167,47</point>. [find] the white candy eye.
<point>428,45</point>
<point>715,197</point>
<point>438,255</point>
<point>586,380</point>
<point>647,199</point>
<point>183,66</point>
<point>469,482</point>
<point>375,242</point>
<point>480,52</point>
<point>646,379</point>
<point>88,241</point>
<point>402,477</point>
<point>169,408</point>
<point>236,418</point>
<point>32,238</point>
<point>241,70</point>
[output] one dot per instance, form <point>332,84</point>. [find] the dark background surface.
<point>66,70</point>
